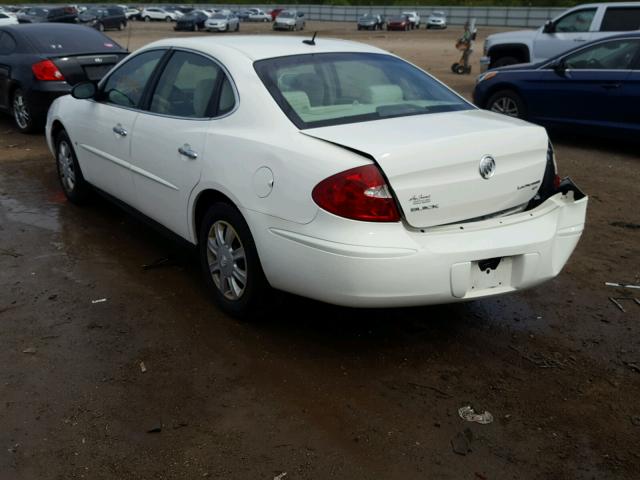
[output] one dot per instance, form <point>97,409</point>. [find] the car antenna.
<point>130,28</point>
<point>312,41</point>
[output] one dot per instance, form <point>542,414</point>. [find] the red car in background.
<point>401,22</point>
<point>275,12</point>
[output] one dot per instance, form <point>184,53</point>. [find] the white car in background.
<point>437,19</point>
<point>258,15</point>
<point>414,19</point>
<point>156,13</point>
<point>222,22</point>
<point>6,19</point>
<point>363,181</point>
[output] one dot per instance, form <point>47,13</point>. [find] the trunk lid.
<point>432,162</point>
<point>78,68</point>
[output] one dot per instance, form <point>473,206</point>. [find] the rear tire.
<point>121,26</point>
<point>167,19</point>
<point>507,102</point>
<point>237,26</point>
<point>147,18</point>
<point>230,261</point>
<point>73,184</point>
<point>100,27</point>
<point>22,114</point>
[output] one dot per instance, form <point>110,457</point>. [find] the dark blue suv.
<point>594,88</point>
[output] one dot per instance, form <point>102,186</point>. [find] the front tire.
<point>73,184</point>
<point>167,19</point>
<point>230,261</point>
<point>507,102</point>
<point>100,27</point>
<point>147,18</point>
<point>121,26</point>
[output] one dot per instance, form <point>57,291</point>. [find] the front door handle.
<point>188,152</point>
<point>120,130</point>
<point>610,86</point>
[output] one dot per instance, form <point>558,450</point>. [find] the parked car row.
<point>409,20</point>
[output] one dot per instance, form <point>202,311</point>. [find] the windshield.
<point>95,12</point>
<point>437,14</point>
<point>37,11</point>
<point>337,88</point>
<point>286,15</point>
<point>219,16</point>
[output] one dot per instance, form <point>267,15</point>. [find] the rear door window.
<point>126,85</point>
<point>7,44</point>
<point>621,19</point>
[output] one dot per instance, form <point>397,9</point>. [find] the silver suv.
<point>578,25</point>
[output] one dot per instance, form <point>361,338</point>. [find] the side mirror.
<point>560,67</point>
<point>84,90</point>
<point>548,27</point>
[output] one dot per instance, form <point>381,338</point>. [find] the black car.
<point>48,14</point>
<point>104,18</point>
<point>192,21</point>
<point>40,62</point>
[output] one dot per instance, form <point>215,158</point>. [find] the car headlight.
<point>486,76</point>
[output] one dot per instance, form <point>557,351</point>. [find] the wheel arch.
<point>499,87</point>
<point>201,201</point>
<point>518,50</point>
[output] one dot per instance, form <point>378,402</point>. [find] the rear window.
<point>71,40</point>
<point>337,88</point>
<point>621,19</point>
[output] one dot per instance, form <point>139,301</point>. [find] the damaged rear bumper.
<point>360,264</point>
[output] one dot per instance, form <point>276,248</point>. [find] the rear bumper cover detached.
<point>360,264</point>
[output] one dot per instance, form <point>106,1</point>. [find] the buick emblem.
<point>487,167</point>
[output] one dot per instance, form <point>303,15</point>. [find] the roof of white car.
<point>258,47</point>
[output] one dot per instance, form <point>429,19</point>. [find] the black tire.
<point>454,67</point>
<point>504,61</point>
<point>100,27</point>
<point>237,27</point>
<point>23,116</point>
<point>73,184</point>
<point>504,101</point>
<point>147,18</point>
<point>253,293</point>
<point>167,19</point>
<point>459,69</point>
<point>226,29</point>
<point>121,26</point>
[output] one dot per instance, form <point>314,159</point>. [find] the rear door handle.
<point>610,86</point>
<point>579,39</point>
<point>188,152</point>
<point>120,130</point>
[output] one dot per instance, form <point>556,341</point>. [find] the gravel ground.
<point>316,391</point>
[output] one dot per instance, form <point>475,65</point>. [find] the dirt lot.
<point>317,392</point>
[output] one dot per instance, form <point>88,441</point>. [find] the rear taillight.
<point>46,70</point>
<point>359,194</point>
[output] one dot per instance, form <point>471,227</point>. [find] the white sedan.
<point>326,168</point>
<point>7,19</point>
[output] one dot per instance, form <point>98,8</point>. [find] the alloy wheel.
<point>21,111</point>
<point>506,106</point>
<point>66,166</point>
<point>227,260</point>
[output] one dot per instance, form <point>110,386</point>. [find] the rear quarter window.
<point>621,19</point>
